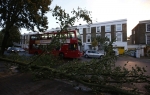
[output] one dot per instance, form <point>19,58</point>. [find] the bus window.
<point>35,46</point>
<point>53,35</point>
<point>33,37</point>
<point>73,47</point>
<point>44,36</point>
<point>38,37</point>
<point>71,35</point>
<point>63,35</point>
<point>49,35</point>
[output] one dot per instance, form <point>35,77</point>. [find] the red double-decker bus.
<point>70,43</point>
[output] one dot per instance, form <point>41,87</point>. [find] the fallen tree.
<point>99,75</point>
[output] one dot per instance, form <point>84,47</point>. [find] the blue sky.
<point>105,10</point>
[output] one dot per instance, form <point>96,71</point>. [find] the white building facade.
<point>116,29</point>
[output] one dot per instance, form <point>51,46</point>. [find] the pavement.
<point>15,83</point>
<point>22,84</point>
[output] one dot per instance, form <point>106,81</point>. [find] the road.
<point>131,62</point>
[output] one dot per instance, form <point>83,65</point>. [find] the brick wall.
<point>124,32</point>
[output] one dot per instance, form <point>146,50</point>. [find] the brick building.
<point>111,29</point>
<point>141,33</point>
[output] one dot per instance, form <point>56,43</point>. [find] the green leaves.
<point>14,36</point>
<point>25,13</point>
<point>29,14</point>
<point>94,43</point>
<point>66,21</point>
<point>101,75</point>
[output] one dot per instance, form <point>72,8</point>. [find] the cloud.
<point>132,10</point>
<point>107,10</point>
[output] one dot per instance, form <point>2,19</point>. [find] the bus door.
<point>72,50</point>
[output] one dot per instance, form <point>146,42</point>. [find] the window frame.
<point>88,29</point>
<point>117,27</point>
<point>106,28</point>
<point>147,27</point>
<point>109,35</point>
<point>120,36</point>
<point>87,38</point>
<point>99,29</point>
<point>81,30</point>
<point>147,39</point>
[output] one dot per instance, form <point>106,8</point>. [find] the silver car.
<point>93,54</point>
<point>15,49</point>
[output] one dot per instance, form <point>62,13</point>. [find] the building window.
<point>98,29</point>
<point>97,35</point>
<point>147,27</point>
<point>108,35</point>
<point>118,37</point>
<point>119,27</point>
<point>81,30</point>
<point>88,38</point>
<point>88,30</point>
<point>148,39</point>
<point>133,32</point>
<point>107,28</point>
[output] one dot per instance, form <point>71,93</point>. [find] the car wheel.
<point>101,56</point>
<point>86,56</point>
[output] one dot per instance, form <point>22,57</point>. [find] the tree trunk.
<point>4,42</point>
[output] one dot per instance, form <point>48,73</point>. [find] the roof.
<point>103,23</point>
<point>30,33</point>
<point>140,22</point>
<point>144,21</point>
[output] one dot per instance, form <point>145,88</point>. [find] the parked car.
<point>21,49</point>
<point>93,54</point>
<point>15,49</point>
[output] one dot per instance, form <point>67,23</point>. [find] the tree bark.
<point>4,42</point>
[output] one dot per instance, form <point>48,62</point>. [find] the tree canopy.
<point>29,14</point>
<point>24,13</point>
<point>14,36</point>
<point>66,21</point>
<point>94,43</point>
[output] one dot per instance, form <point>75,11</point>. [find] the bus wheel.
<point>61,55</point>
